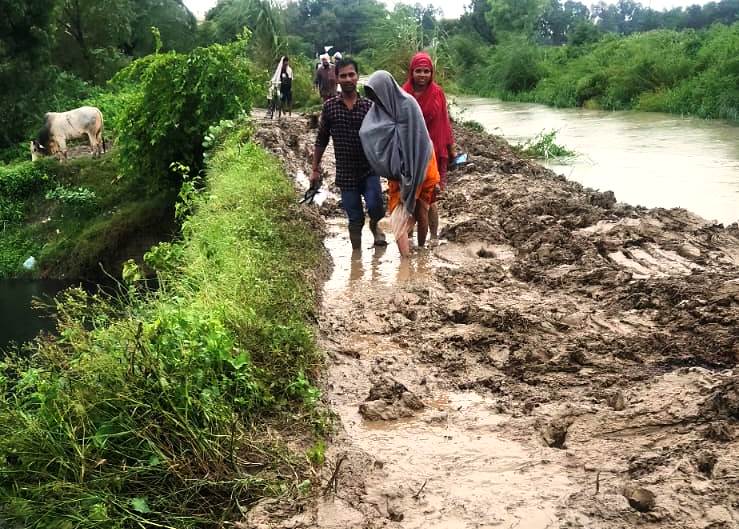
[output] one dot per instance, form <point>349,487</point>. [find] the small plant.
<point>543,145</point>
<point>316,454</point>
<point>471,124</point>
<point>76,202</point>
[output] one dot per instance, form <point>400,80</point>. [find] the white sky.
<point>454,8</point>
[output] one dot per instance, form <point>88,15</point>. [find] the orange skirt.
<point>425,191</point>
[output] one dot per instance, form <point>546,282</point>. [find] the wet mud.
<point>558,359</point>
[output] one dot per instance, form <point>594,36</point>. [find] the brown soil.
<point>575,359</point>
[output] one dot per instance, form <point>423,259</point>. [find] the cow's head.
<point>38,150</point>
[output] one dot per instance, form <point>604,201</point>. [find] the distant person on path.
<point>397,145</point>
<point>326,78</point>
<point>341,119</point>
<point>283,77</point>
<point>430,96</point>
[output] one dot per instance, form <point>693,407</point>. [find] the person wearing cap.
<point>430,97</point>
<point>326,78</point>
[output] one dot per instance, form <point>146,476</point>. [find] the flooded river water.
<point>645,158</point>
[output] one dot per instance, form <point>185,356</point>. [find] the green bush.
<point>686,72</point>
<point>22,179</point>
<point>544,146</point>
<point>304,96</point>
<point>177,98</point>
<point>516,66</point>
<point>76,202</point>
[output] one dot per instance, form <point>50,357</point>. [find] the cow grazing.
<point>62,126</point>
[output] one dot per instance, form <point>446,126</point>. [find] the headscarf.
<point>277,77</point>
<point>433,105</point>
<point>394,137</point>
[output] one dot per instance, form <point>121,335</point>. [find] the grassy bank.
<point>170,408</point>
<point>72,216</point>
<point>682,72</point>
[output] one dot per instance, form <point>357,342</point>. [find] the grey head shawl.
<point>394,137</point>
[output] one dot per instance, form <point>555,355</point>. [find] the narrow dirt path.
<point>559,360</point>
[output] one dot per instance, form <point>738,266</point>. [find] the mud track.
<point>559,360</point>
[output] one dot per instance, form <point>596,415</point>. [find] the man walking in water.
<point>341,120</point>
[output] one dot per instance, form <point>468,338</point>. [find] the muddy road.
<point>557,360</point>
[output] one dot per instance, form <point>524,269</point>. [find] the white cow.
<point>62,126</point>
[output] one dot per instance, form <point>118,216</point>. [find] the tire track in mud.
<point>566,350</point>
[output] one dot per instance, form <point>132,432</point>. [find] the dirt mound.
<point>389,399</point>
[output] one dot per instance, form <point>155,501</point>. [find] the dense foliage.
<point>163,409</point>
<point>176,98</point>
<point>689,72</point>
<point>53,52</point>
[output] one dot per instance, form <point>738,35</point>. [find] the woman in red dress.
<point>431,99</point>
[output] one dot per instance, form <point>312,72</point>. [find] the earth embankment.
<point>558,360</point>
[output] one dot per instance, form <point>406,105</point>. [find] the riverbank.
<point>680,72</point>
<point>178,407</point>
<point>561,360</point>
<point>646,158</point>
<point>78,220</point>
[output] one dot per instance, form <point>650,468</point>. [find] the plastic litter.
<point>30,263</point>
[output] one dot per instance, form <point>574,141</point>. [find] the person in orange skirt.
<point>397,145</point>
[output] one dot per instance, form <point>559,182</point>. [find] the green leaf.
<point>140,505</point>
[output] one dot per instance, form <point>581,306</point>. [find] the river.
<point>645,158</point>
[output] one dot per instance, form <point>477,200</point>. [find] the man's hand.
<point>315,176</point>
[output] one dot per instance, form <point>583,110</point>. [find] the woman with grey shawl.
<point>397,145</point>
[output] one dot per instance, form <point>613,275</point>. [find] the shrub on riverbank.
<point>687,72</point>
<point>176,98</point>
<point>165,409</point>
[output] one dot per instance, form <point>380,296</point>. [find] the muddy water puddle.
<point>450,465</point>
<point>381,266</point>
<point>467,475</point>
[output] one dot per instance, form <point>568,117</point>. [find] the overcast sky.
<point>454,8</point>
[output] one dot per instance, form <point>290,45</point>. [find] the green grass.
<point>73,216</point>
<point>544,146</point>
<point>174,408</point>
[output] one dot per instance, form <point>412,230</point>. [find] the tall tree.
<point>96,37</point>
<point>558,20</point>
<point>89,33</point>
<point>514,16</point>
<point>26,36</point>
<point>474,17</point>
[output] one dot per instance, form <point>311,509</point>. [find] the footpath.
<point>558,360</point>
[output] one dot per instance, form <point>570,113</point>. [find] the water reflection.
<point>646,158</point>
<point>19,321</point>
<point>382,264</point>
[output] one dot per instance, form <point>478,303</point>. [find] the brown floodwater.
<point>645,158</point>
